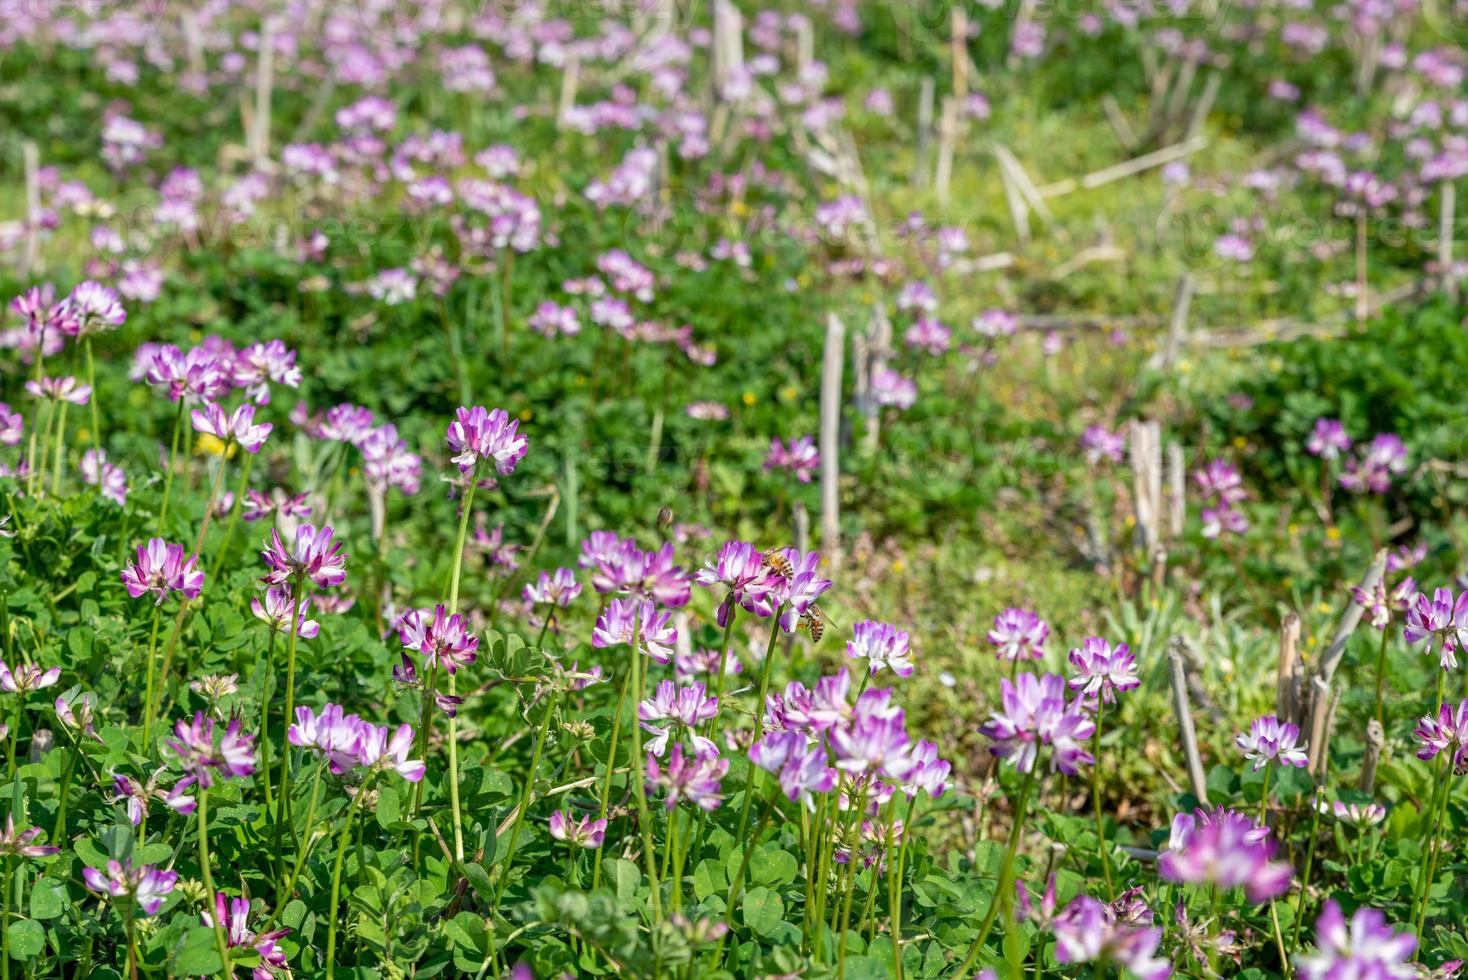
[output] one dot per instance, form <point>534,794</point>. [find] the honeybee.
<point>775,560</point>
<point>815,621</point>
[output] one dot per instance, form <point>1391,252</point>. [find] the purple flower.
<point>1219,480</point>
<point>380,748</point>
<point>881,645</point>
<point>259,365</point>
<point>349,743</point>
<point>198,754</point>
<point>874,742</point>
<point>93,308</point>
<point>444,638</point>
<point>144,884</point>
<point>315,556</point>
<point>688,707</point>
<point>1438,619</point>
<point>1019,633</point>
<point>801,589</point>
<point>26,678</point>
<point>477,434</point>
<point>752,583</point>
<point>1358,815</point>
<point>1227,849</point>
<point>97,471</point>
<point>1088,930</point>
<point>15,843</point>
<point>929,773</point>
<point>1100,444</point>
<point>139,796</point>
<point>1034,713</point>
<point>615,625</point>
<point>12,426</point>
<point>161,568</point>
<point>560,589</point>
<point>65,389</point>
<point>236,427</point>
<point>694,778</point>
<point>1328,440</point>
<point>1102,669</point>
<point>1365,949</point>
<point>275,612</point>
<point>1446,733</point>
<point>1381,602</point>
<point>801,765</point>
<point>235,915</point>
<point>1269,738</point>
<point>584,832</point>
<point>800,456</point>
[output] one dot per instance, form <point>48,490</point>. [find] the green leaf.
<point>708,879</point>
<point>196,954</point>
<point>770,866</point>
<point>27,939</point>
<point>48,898</point>
<point>467,931</point>
<point>479,880</point>
<point>389,808</point>
<point>625,877</point>
<point>763,910</point>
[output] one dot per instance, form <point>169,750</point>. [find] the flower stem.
<point>644,821</point>
<point>1381,679</point>
<point>60,450</point>
<point>266,686</point>
<point>336,879</point>
<point>283,894</point>
<point>894,890</point>
<point>759,719</point>
<point>453,740</point>
<point>1096,805</point>
<point>284,791</point>
<point>1006,872</point>
<point>713,729</point>
<point>92,383</point>
<point>172,465</point>
<point>611,764</point>
<point>853,860</point>
<point>148,704</point>
<point>15,733</point>
<point>525,793</point>
<point>1305,879</point>
<point>208,876</point>
<point>1429,856</point>
<point>234,518</point>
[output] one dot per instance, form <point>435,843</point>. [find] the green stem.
<point>336,879</point>
<point>453,745</point>
<point>152,664</point>
<point>1429,856</point>
<point>267,684</point>
<point>611,764</point>
<point>15,733</point>
<point>1305,879</point>
<point>853,860</point>
<point>72,752</point>
<point>60,450</point>
<point>1096,805</point>
<point>293,604</point>
<point>5,932</point>
<point>1380,712</point>
<point>208,876</point>
<point>759,718</point>
<point>1264,798</point>
<point>92,383</point>
<point>894,889</point>
<point>638,781</point>
<point>1006,871</point>
<point>302,852</point>
<point>172,466</point>
<point>713,729</point>
<point>525,793</point>
<point>234,518</point>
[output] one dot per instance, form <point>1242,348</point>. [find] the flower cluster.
<point>347,742</point>
<point>477,434</point>
<point>1223,490</point>
<point>1270,739</point>
<point>1225,849</point>
<point>161,568</point>
<point>1034,713</point>
<point>1019,634</point>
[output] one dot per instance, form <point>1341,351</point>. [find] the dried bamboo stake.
<point>570,82</point>
<point>1177,490</point>
<point>1375,742</point>
<point>1350,616</point>
<point>1119,125</point>
<point>1322,714</point>
<point>1022,181</point>
<point>1136,165</point>
<point>1146,459</point>
<point>1204,105</point>
<point>264,82</point>
<point>1177,324</point>
<point>924,132</point>
<point>1019,211</point>
<point>32,156</point>
<point>832,363</point>
<point>1286,696</point>
<point>1187,734</point>
<point>948,136</point>
<point>802,527</point>
<point>959,47</point>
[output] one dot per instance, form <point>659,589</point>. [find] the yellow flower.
<point>748,398</point>
<point>788,393</point>
<point>1333,534</point>
<point>526,415</point>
